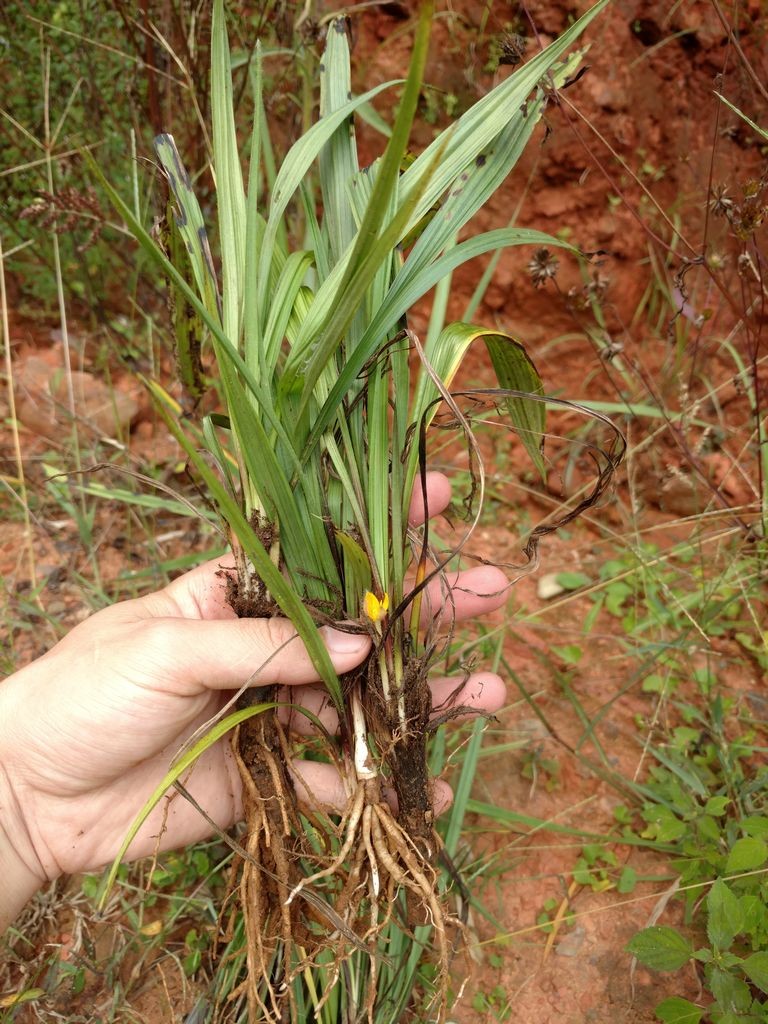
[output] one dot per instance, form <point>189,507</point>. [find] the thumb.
<point>229,653</point>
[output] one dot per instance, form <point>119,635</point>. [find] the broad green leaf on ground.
<point>725,918</point>
<point>746,854</point>
<point>756,969</point>
<point>730,991</point>
<point>661,948</point>
<point>755,825</point>
<point>678,1011</point>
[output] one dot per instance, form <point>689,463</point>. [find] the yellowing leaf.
<point>14,998</point>
<point>153,928</point>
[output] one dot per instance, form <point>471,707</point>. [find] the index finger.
<point>438,488</point>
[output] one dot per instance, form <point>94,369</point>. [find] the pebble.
<point>548,587</point>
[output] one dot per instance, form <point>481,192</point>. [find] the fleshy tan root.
<point>378,853</point>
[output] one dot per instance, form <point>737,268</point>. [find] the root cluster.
<point>307,890</point>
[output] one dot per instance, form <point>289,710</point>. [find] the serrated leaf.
<point>709,829</point>
<point>756,969</point>
<point>678,1011</point>
<point>661,948</point>
<point>746,854</point>
<point>725,918</point>
<point>730,992</point>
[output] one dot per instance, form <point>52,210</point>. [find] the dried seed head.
<point>543,265</point>
<point>716,260</point>
<point>721,204</point>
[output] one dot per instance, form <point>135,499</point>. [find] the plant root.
<point>359,866</point>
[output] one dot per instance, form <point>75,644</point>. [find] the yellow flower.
<point>374,608</point>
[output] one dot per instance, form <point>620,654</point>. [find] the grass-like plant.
<point>329,401</point>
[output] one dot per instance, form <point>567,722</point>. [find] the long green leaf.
<point>230,193</point>
<point>297,162</point>
<point>283,593</point>
<point>338,158</point>
<point>372,244</point>
<point>185,762</point>
<point>189,220</point>
<point>259,453</point>
<point>474,132</point>
<point>403,293</point>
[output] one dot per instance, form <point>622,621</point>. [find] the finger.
<point>482,692</point>
<point>438,498</point>
<point>201,593</point>
<point>227,654</point>
<point>320,787</point>
<point>464,595</point>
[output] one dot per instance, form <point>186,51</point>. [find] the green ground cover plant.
<point>709,806</point>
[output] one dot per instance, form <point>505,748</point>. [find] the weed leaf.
<point>746,855</point>
<point>661,948</point>
<point>725,916</point>
<point>756,969</point>
<point>678,1011</point>
<point>729,990</point>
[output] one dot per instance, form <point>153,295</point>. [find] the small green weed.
<point>497,1003</point>
<point>707,800</point>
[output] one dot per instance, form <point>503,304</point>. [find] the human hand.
<point>87,732</point>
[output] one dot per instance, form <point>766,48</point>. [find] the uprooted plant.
<point>330,401</point>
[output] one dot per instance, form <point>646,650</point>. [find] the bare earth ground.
<point>649,91</point>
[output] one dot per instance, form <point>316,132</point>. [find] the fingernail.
<point>344,643</point>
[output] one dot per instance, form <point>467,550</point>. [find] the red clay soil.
<point>652,69</point>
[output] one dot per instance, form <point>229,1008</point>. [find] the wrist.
<point>19,881</point>
<point>21,874</point>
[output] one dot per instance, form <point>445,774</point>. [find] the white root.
<point>373,863</point>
